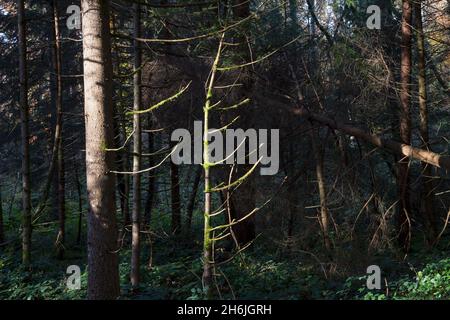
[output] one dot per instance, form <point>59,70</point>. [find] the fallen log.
<point>401,149</point>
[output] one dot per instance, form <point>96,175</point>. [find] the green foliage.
<point>351,3</point>
<point>260,272</point>
<point>431,283</point>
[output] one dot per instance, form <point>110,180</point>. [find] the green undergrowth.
<point>172,269</point>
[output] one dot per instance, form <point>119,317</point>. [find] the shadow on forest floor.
<point>260,273</point>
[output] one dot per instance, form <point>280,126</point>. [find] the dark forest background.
<point>364,125</point>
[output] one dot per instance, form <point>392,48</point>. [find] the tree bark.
<point>207,276</point>
<point>61,203</point>
<point>175,198</point>
<point>103,277</point>
<point>80,206</point>
<point>151,175</point>
<point>321,185</point>
<point>208,247</point>
<point>25,134</point>
<point>427,182</point>
<point>404,214</point>
<point>120,133</point>
<point>136,214</point>
<point>58,133</point>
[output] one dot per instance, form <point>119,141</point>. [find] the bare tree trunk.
<point>404,215</point>
<point>61,203</point>
<point>321,185</point>
<point>80,206</point>
<point>136,214</point>
<point>208,248</point>
<point>124,193</point>
<point>207,276</point>
<point>53,123</point>
<point>120,133</point>
<point>191,204</point>
<point>59,123</point>
<point>151,175</point>
<point>427,181</point>
<point>25,133</point>
<point>123,181</point>
<point>175,198</point>
<point>103,277</point>
<point>52,180</point>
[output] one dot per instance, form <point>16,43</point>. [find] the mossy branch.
<point>161,103</point>
<point>238,181</point>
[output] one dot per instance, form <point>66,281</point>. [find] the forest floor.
<point>262,272</point>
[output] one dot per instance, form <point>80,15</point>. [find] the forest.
<point>224,149</point>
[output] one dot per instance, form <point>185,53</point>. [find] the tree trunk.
<point>124,193</point>
<point>120,134</point>
<point>61,203</point>
<point>80,206</point>
<point>103,277</point>
<point>25,134</point>
<point>191,204</point>
<point>321,185</point>
<point>175,198</point>
<point>404,214</point>
<point>427,181</point>
<point>207,276</point>
<point>52,180</point>
<point>151,175</point>
<point>59,123</point>
<point>208,248</point>
<point>136,214</point>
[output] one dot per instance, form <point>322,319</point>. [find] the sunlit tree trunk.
<point>208,250</point>
<point>136,214</point>
<point>103,276</point>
